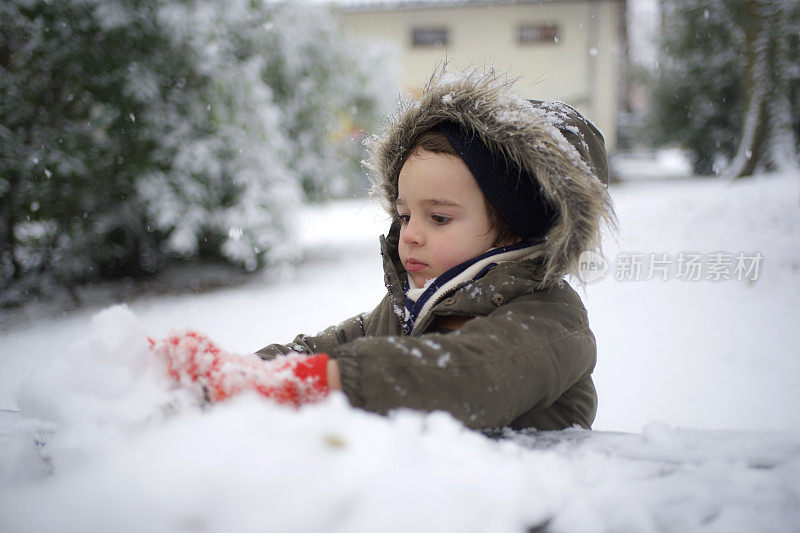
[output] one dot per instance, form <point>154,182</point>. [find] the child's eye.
<point>440,219</point>
<point>404,219</point>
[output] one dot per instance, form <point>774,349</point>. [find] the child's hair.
<point>436,142</point>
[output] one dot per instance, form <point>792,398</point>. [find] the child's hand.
<point>192,359</point>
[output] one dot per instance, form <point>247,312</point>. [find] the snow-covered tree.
<point>330,90</point>
<point>135,131</point>
<point>701,93</point>
<point>74,136</point>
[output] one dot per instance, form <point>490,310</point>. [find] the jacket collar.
<point>394,274</point>
<point>467,271</point>
<point>413,314</point>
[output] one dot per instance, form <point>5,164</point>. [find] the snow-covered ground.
<point>697,428</point>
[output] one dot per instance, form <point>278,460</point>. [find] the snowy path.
<point>704,376</point>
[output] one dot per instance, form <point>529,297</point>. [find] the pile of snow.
<point>124,449</point>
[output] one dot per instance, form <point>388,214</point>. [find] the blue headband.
<point>514,192</point>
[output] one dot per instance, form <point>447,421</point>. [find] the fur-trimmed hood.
<point>551,141</point>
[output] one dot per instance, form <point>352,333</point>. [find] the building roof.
<point>366,6</point>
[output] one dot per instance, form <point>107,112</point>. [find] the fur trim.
<point>552,141</point>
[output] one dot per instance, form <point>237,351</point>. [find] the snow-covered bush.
<point>133,132</point>
<point>330,91</point>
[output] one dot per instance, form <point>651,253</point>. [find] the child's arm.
<point>324,341</point>
<point>305,374</point>
<point>382,320</point>
<point>524,356</point>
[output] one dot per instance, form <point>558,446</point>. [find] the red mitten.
<point>192,358</point>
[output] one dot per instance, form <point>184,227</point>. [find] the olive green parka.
<point>512,348</point>
<point>523,360</point>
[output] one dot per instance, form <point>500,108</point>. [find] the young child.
<point>493,199</point>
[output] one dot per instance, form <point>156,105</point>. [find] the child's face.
<point>443,215</point>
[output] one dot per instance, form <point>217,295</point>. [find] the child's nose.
<point>411,234</point>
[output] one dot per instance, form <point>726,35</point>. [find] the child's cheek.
<point>444,255</point>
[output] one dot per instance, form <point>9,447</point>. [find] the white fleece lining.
<point>472,271</point>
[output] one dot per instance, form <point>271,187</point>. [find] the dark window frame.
<point>430,36</point>
<point>534,33</point>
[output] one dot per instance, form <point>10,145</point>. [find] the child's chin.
<point>421,280</point>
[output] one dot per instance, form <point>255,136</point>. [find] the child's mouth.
<point>412,265</point>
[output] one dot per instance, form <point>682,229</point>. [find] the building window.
<point>538,34</point>
<point>424,37</point>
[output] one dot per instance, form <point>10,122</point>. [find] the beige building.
<point>562,49</point>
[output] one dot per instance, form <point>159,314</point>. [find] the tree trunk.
<point>754,130</point>
<point>767,140</point>
<point>8,244</point>
<point>783,142</point>
<point>624,58</point>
